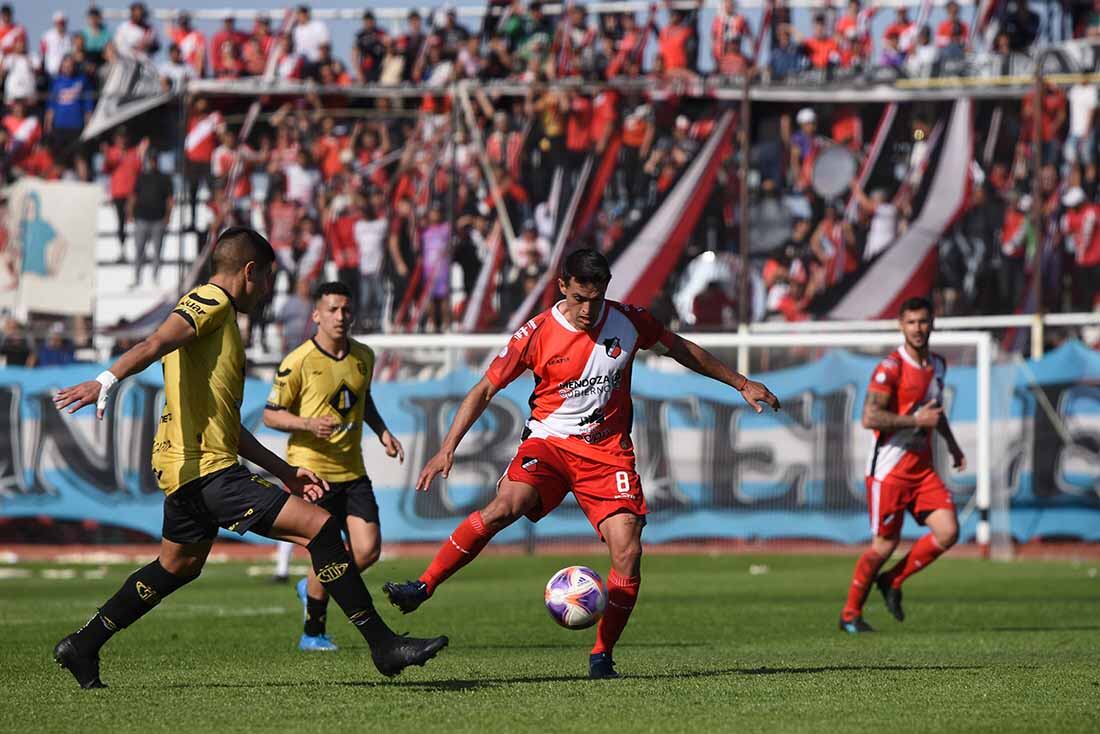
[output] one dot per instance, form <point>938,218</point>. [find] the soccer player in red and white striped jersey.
<point>577,439</point>
<point>904,405</point>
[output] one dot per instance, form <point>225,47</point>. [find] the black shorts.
<point>354,499</point>
<point>232,498</point>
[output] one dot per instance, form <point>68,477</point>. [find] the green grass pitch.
<point>710,648</point>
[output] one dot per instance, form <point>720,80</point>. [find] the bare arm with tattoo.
<point>877,415</point>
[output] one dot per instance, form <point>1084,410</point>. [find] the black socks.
<point>336,571</point>
<point>316,611</point>
<point>142,591</point>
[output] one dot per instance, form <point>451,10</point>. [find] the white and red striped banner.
<point>644,266</point>
<point>908,267</point>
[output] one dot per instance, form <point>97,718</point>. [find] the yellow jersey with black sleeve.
<point>312,383</point>
<point>203,388</point>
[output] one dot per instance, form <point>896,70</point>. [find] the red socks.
<point>923,552</point>
<point>464,544</point>
<point>866,567</point>
<point>622,593</point>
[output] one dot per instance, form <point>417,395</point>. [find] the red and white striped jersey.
<point>202,137</point>
<point>9,36</point>
<point>1083,226</point>
<point>23,132</point>
<point>581,402</point>
<point>905,454</point>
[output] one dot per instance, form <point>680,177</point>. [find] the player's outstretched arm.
<point>373,418</point>
<point>699,360</point>
<point>301,482</point>
<point>170,336</point>
<point>473,405</point>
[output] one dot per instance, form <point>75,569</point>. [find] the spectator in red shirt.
<point>904,29</point>
<point>344,248</point>
<point>228,38</point>
<point>944,30</point>
<point>578,132</point>
<point>822,50</point>
<point>261,34</point>
<point>728,32</point>
<point>23,129</point>
<point>1053,116</point>
<point>630,48</point>
<point>1081,226</point>
<point>678,42</point>
<point>191,43</point>
<point>124,165</point>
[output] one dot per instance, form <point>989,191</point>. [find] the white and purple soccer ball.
<point>576,597</point>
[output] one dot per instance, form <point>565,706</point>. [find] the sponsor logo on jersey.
<point>528,462</point>
<point>880,378</point>
<point>343,400</point>
<point>596,416</point>
<point>613,347</point>
<point>557,360</point>
<point>331,572</point>
<point>594,385</point>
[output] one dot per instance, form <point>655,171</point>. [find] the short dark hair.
<point>331,288</point>
<point>917,303</point>
<point>587,267</point>
<point>238,246</point>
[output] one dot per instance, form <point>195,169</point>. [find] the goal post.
<point>712,470</point>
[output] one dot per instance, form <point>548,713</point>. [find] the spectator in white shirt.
<point>1081,142</point>
<point>176,72</point>
<point>55,44</point>
<point>18,70</point>
<point>310,35</point>
<point>371,233</point>
<point>923,54</point>
<point>136,39</point>
<point>302,179</point>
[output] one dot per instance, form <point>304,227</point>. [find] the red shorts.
<point>602,490</point>
<point>888,500</point>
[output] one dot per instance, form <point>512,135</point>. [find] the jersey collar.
<point>223,290</point>
<point>909,359</point>
<point>333,357</point>
<point>560,317</point>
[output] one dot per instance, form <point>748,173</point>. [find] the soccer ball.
<point>576,597</point>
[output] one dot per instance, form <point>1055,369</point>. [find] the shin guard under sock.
<point>338,574</point>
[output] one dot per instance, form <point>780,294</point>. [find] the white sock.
<point>282,559</point>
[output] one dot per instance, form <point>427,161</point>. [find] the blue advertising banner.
<point>710,467</point>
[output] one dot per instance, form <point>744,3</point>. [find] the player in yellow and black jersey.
<point>195,460</point>
<point>321,396</point>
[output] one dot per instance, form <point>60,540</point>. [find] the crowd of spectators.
<point>394,196</point>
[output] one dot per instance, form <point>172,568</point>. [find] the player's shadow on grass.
<point>573,645</point>
<point>1076,628</point>
<point>483,683</point>
<point>473,684</point>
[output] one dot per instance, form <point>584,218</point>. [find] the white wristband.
<point>107,380</point>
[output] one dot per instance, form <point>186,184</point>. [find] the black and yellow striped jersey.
<point>311,383</point>
<point>203,388</point>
